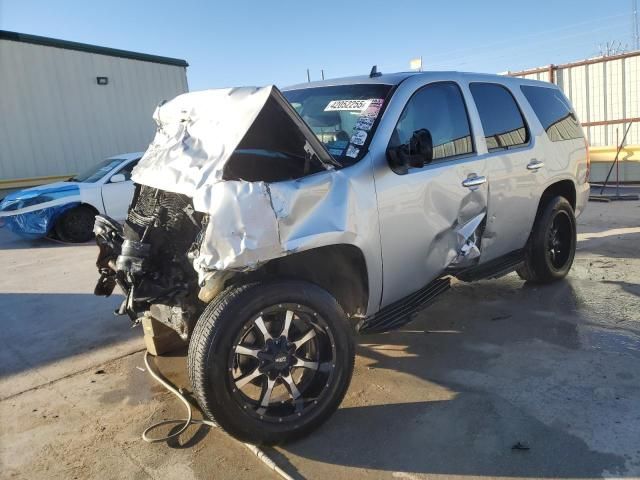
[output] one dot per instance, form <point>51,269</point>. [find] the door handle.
<point>474,181</point>
<point>535,165</point>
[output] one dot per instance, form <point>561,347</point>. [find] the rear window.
<point>554,112</point>
<point>500,116</point>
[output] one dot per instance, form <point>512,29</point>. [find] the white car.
<point>67,209</point>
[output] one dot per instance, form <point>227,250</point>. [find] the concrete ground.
<point>556,368</point>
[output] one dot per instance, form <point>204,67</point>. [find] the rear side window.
<point>554,112</point>
<point>439,108</point>
<point>502,121</point>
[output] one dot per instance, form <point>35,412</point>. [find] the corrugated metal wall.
<point>602,91</point>
<point>56,120</point>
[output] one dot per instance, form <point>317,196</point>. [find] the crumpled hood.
<point>250,221</point>
<point>199,131</point>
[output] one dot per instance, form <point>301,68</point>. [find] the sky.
<point>274,42</point>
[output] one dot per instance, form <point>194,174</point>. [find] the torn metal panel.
<point>242,230</point>
<point>468,241</point>
<point>321,208</point>
<point>253,222</point>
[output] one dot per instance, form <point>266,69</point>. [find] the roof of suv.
<point>397,78</point>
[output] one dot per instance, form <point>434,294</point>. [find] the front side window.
<point>554,112</point>
<point>440,109</point>
<point>501,119</point>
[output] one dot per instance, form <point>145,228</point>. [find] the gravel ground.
<point>491,364</point>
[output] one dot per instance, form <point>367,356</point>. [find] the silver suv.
<point>268,227</point>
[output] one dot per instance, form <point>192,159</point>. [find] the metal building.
<point>605,92</point>
<point>65,105</point>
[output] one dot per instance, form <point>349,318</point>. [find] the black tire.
<point>76,225</point>
<point>552,244</point>
<point>218,366</point>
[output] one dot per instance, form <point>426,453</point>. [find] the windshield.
<point>98,171</point>
<point>343,117</point>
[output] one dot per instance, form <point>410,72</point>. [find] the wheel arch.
<point>340,269</point>
<point>80,204</point>
<point>91,207</point>
<point>564,188</point>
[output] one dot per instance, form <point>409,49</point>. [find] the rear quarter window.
<point>554,112</point>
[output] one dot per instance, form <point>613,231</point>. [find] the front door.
<point>431,218</point>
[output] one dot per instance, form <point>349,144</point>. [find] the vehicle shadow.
<point>616,243</point>
<point>470,346</point>
<point>632,288</point>
<point>11,241</point>
<point>42,328</point>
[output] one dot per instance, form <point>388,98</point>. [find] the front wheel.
<point>269,362</point>
<point>76,225</point>
<point>552,245</point>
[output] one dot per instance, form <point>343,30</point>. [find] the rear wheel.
<point>552,245</point>
<point>76,225</point>
<point>270,362</point>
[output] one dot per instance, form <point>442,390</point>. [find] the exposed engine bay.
<point>211,159</point>
<point>149,258</point>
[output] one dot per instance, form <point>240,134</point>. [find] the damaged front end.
<point>203,211</point>
<point>149,258</point>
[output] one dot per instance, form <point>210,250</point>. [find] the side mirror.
<point>117,178</point>
<point>415,154</point>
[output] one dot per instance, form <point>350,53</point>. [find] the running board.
<point>401,312</point>
<point>495,268</point>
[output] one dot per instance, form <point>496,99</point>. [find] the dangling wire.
<point>190,421</point>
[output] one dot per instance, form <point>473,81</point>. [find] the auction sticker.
<point>365,123</point>
<point>373,109</point>
<point>359,137</point>
<point>349,105</point>
<point>352,151</point>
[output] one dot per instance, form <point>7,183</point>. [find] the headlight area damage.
<point>32,213</point>
<point>223,188</point>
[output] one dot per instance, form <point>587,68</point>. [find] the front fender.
<point>251,223</point>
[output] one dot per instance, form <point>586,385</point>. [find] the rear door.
<point>431,217</point>
<point>515,167</point>
<point>116,197</point>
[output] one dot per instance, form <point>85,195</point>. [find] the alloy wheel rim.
<point>282,363</point>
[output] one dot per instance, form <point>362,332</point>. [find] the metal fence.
<point>605,93</point>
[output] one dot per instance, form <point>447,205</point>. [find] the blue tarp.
<point>38,223</point>
<point>35,223</point>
